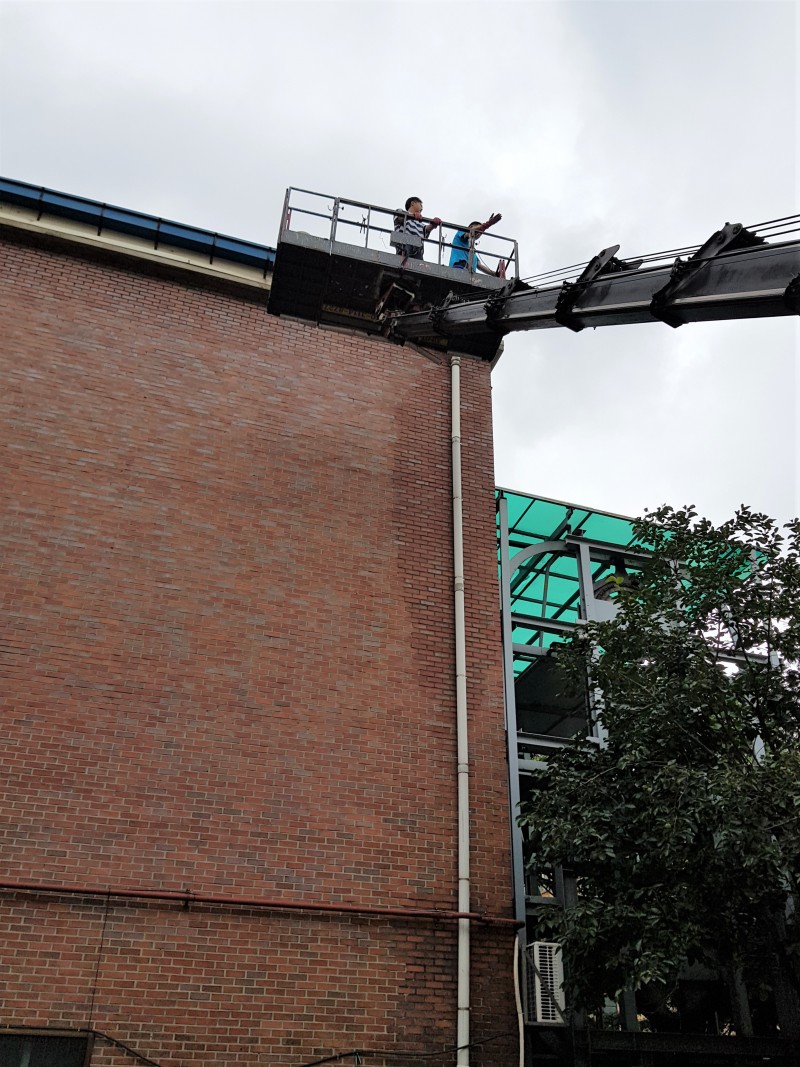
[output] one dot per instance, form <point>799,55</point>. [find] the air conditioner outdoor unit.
<point>545,982</point>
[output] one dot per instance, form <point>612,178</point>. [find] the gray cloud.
<point>585,123</point>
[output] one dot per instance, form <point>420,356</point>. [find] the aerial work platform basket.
<point>337,262</point>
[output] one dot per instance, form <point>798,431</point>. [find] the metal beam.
<point>754,281</point>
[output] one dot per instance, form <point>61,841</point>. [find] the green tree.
<point>683,832</point>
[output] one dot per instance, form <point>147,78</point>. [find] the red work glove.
<point>435,222</point>
<point>492,220</point>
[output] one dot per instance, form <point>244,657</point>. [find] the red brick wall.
<point>226,583</point>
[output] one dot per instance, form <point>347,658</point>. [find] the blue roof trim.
<point>149,227</point>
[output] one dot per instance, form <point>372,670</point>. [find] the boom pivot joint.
<point>732,237</point>
<point>605,262</point>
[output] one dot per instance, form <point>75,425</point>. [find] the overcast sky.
<point>586,123</point>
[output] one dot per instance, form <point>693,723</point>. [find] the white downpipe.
<point>462,1038</point>
<point>518,1002</point>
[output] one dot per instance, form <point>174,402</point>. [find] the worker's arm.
<point>489,222</point>
<point>486,270</point>
<point>482,229</point>
<point>432,226</point>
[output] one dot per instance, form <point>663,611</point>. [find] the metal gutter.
<point>156,233</point>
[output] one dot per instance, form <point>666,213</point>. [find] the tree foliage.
<point>683,833</point>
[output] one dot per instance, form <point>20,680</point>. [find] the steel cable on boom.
<point>553,276</point>
<point>574,270</point>
<point>774,222</point>
<point>778,233</point>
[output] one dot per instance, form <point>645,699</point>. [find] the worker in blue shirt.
<point>465,240</point>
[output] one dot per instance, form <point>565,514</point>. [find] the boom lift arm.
<point>734,275</point>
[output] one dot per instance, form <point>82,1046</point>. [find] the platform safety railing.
<point>336,218</point>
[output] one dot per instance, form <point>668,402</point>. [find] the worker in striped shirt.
<point>410,224</point>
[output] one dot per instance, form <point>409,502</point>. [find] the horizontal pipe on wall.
<point>187,897</point>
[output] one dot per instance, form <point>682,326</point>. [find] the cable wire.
<point>125,1048</point>
<point>771,222</point>
<point>451,1050</point>
<point>573,272</point>
<point>777,233</point>
<point>96,979</point>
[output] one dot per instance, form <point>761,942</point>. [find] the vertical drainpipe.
<point>462,1032</point>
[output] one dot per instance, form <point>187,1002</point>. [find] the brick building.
<point>228,807</point>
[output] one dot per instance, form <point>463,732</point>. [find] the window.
<point>25,1049</point>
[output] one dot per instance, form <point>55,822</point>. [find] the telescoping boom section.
<point>736,274</point>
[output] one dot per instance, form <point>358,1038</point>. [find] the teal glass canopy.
<point>545,589</point>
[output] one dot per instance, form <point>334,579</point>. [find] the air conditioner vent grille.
<point>544,982</point>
